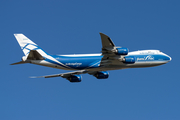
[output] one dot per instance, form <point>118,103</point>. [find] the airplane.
<point>110,58</point>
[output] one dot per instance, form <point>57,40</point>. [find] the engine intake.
<point>122,51</point>
<point>75,78</point>
<point>102,75</point>
<point>128,60</point>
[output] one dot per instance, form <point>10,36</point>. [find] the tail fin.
<point>27,45</point>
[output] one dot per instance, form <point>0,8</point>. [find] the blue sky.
<point>72,27</point>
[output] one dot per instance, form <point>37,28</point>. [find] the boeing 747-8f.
<point>110,58</point>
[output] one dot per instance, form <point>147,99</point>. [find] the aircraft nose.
<point>168,58</point>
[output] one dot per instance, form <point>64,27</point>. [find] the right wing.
<point>108,50</point>
<point>106,42</point>
<point>108,47</point>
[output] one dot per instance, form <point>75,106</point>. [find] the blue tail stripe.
<point>29,44</point>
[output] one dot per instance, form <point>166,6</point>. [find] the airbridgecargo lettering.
<point>110,58</point>
<point>78,64</point>
<point>149,57</point>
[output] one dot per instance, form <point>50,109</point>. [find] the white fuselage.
<point>143,58</point>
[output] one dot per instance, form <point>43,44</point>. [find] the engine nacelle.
<point>75,78</point>
<point>122,51</point>
<point>129,60</point>
<point>102,75</point>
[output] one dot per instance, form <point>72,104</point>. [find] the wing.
<point>106,42</point>
<point>64,75</point>
<point>108,50</point>
<point>108,47</point>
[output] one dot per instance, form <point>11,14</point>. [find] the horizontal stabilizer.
<point>21,62</point>
<point>34,55</point>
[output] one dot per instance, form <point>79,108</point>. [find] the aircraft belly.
<point>114,66</point>
<point>146,64</point>
<point>120,65</point>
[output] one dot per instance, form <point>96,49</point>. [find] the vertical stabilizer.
<point>27,45</point>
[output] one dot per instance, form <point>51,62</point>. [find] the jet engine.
<point>121,51</point>
<point>75,78</point>
<point>128,60</point>
<point>102,75</point>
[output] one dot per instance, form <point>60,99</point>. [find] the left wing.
<point>75,75</point>
<point>64,75</point>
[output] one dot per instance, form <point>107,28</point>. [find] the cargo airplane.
<point>110,58</point>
